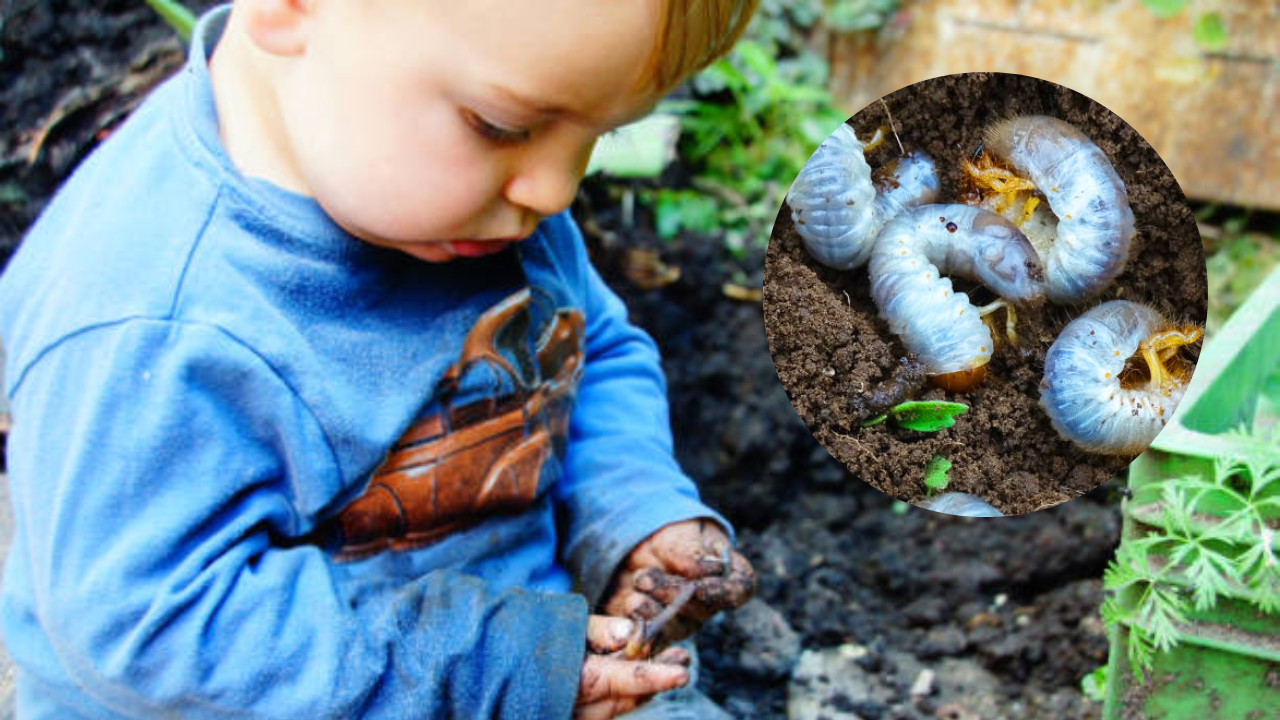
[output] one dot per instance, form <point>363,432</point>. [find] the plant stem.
<point>177,15</point>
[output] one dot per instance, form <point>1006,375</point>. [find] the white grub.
<point>835,206</point>
<point>964,504</point>
<point>1095,225</point>
<point>1082,391</point>
<point>914,254</point>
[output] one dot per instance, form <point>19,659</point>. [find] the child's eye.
<point>495,133</point>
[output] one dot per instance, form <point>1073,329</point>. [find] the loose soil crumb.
<point>829,344</point>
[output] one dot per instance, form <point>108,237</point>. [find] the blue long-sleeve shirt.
<point>204,370</point>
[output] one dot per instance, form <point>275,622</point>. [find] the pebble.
<point>831,684</point>
<point>770,646</point>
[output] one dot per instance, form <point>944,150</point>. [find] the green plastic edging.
<point>1227,658</point>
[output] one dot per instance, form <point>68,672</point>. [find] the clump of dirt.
<point>830,345</point>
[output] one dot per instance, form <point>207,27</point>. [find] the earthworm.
<point>913,254</point>
<point>1095,225</point>
<point>838,209</point>
<point>1097,402</point>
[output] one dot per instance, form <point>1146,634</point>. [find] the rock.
<point>923,684</point>
<point>943,640</point>
<point>769,646</point>
<point>926,610</point>
<point>831,684</point>
<point>967,689</point>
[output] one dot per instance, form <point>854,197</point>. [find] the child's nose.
<point>547,183</point>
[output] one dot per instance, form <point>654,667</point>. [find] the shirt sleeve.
<point>622,481</point>
<point>155,466</point>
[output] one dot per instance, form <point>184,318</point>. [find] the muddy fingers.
<point>611,686</point>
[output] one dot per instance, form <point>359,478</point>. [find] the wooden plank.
<point>1210,115</point>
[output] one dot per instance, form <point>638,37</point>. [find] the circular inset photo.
<point>985,294</point>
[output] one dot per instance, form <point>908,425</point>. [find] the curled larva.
<point>835,204</point>
<point>1100,400</point>
<point>956,503</point>
<point>913,254</point>
<point>1095,225</point>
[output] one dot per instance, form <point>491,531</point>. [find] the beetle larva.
<point>956,503</point>
<point>836,207</point>
<point>912,255</point>
<point>1095,225</point>
<point>1092,398</point>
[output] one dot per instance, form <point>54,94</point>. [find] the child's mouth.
<point>479,248</point>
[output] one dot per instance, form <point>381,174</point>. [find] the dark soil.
<point>831,347</point>
<point>1015,600</point>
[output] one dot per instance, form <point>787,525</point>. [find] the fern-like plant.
<point>1193,559</point>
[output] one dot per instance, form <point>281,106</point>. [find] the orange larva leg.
<point>1161,346</point>
<point>1001,181</point>
<point>1027,208</point>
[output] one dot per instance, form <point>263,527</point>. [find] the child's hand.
<point>660,569</point>
<point>610,684</point>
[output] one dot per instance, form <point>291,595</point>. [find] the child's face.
<point>444,127</point>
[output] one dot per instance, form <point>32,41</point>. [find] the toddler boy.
<point>319,409</point>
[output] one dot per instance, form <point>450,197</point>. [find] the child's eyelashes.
<point>494,132</point>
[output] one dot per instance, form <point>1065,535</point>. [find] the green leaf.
<point>677,210</point>
<point>1094,685</point>
<point>754,57</point>
<point>639,150</point>
<point>875,420</point>
<point>1209,32</point>
<point>928,416</point>
<point>1164,8</point>
<point>935,476</point>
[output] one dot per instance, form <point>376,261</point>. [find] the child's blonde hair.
<point>692,35</point>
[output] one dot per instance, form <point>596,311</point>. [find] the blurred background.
<point>867,609</point>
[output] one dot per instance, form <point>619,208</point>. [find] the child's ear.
<point>278,27</point>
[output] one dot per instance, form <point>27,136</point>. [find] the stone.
<point>769,646</point>
<point>831,684</point>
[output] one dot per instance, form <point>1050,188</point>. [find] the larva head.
<point>1005,260</point>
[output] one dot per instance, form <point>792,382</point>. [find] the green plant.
<point>745,150</point>
<point>749,122</point>
<point>753,119</point>
<point>924,416</point>
<point>1094,685</point>
<point>856,15</point>
<point>1211,558</point>
<point>178,16</point>
<point>935,475</point>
